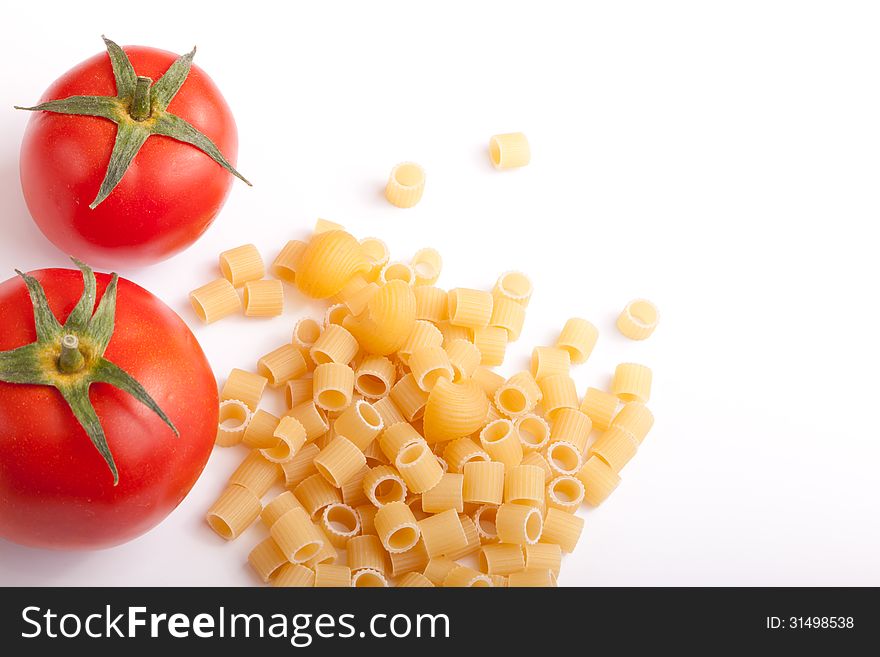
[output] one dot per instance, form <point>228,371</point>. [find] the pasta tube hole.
<point>498,430</point>
<point>515,285</point>
<point>534,526</point>
<point>643,313</point>
<point>512,400</point>
<point>234,415</point>
<point>412,453</point>
<point>409,175</point>
<point>278,454</point>
<point>371,385</point>
<point>564,456</point>
<point>306,331</point>
<point>333,400</point>
<point>403,538</point>
<point>342,519</point>
<point>306,552</point>
<point>221,527</point>
<point>566,490</point>
<point>367,579</point>
<point>485,519</point>
<point>369,415</point>
<point>389,490</point>
<point>533,432</point>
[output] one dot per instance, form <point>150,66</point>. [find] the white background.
<point>718,158</point>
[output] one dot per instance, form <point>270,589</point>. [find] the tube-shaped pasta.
<point>388,411</point>
<point>565,493</point>
<point>488,381</point>
<point>599,480</point>
<point>234,511</point>
<point>215,300</point>
<point>244,386</point>
<point>414,580</point>
<point>353,489</point>
<point>501,442</point>
<point>328,263</point>
<point>454,410</point>
<point>326,439</point>
<point>325,225</point>
<point>431,303</point>
<point>491,341</point>
<point>572,426</point>
<point>383,485</point>
<point>333,386</point>
<point>377,254</point>
<point>562,529</point>
<point>419,467</point>
<point>424,334</point>
<point>524,484</point>
<point>242,264</point>
<point>256,474</point>
<point>464,577</point>
<point>483,482</point>
<point>564,457</point>
<point>266,558</point>
<point>542,556</point>
<point>438,568</point>
<point>616,447</point>
<point>635,418</point>
<point>278,507</point>
<point>374,377</point>
<point>360,423</point>
<point>367,552</point>
<point>306,331</point>
<point>263,298</point>
<point>514,285</point>
<point>325,554</point>
<point>638,319</point>
<point>451,332</point>
<point>233,421</point>
<point>427,264</point>
<point>600,407</point>
<point>462,451</point>
<point>532,578</point>
<point>340,461</point>
<point>335,314</point>
<point>397,271</point>
<point>557,392</point>
<point>298,391</point>
<point>301,466</point>
<point>509,150</point>
<point>397,528</point>
<point>464,358</point>
<point>414,502</point>
<point>387,321</point>
<point>291,436</point>
<point>469,308</point>
<point>406,184</point>
<point>368,578</point>
<point>547,361</point>
<point>442,533</point>
<point>509,315</point>
<point>281,365</point>
<point>328,575</point>
<point>294,575</point>
<point>296,536</point>
<point>315,493</point>
<point>501,558</point>
<point>632,382</point>
<point>533,432</point>
<point>367,515</point>
<point>578,337</point>
<point>429,365</point>
<point>518,524</point>
<point>313,419</point>
<point>287,262</point>
<point>409,397</point>
<point>340,522</point>
<point>536,458</point>
<point>447,494</point>
<point>397,437</point>
<point>356,295</point>
<point>518,395</point>
<point>334,345</point>
<point>484,520</point>
<point>416,558</point>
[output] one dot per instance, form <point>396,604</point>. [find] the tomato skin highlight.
<point>55,488</point>
<point>168,197</point>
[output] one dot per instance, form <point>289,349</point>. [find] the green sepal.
<point>107,372</point>
<point>47,326</point>
<point>78,319</point>
<point>169,84</point>
<point>130,137</point>
<point>77,397</point>
<point>105,107</point>
<point>123,71</point>
<point>22,365</point>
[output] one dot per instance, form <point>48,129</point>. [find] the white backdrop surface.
<point>718,158</point>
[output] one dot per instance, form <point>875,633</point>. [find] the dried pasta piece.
<point>353,489</point>
<point>542,556</point>
<point>263,298</point>
<point>306,331</point>
<point>532,578</point>
<point>499,581</point>
<point>501,442</point>
<point>638,319</point>
<point>388,411</point>
<point>215,300</point>
<point>508,315</point>
<point>232,423</point>
<point>472,536</point>
<point>409,398</point>
<point>406,184</point>
<point>368,578</point>
<point>335,314</point>
<point>424,334</point>
<point>377,254</point>
<point>325,225</point>
<point>326,439</point>
<point>414,559</point>
<point>374,377</point>
<point>533,432</point>
<point>397,271</point>
<point>329,575</point>
<point>600,407</point>
<point>492,344</point>
<point>447,494</point>
<point>315,493</point>
<point>451,332</point>
<point>464,358</point>
<point>287,262</point>
<point>333,386</point>
<point>599,480</point>
<point>414,502</point>
<point>326,554</point>
<point>298,391</point>
<point>301,466</point>
<point>387,321</point>
<point>397,528</point>
<point>356,295</point>
<point>564,457</point>
<point>547,361</point>
<point>462,451</point>
<point>281,365</point>
<point>524,484</point>
<point>427,264</point>
<point>431,303</point>
<point>278,507</point>
<point>260,431</point>
<point>313,419</point>
<point>616,447</point>
<point>329,261</point>
<point>578,338</point>
<point>367,516</point>
<point>565,493</point>
<point>536,458</point>
<point>340,522</point>
<point>234,511</point>
<point>383,485</point>
<point>454,410</point>
<point>367,552</point>
<point>636,419</point>
<point>483,482</point>
<point>266,558</point>
<point>464,577</point>
<point>488,380</point>
<point>294,575</point>
<point>334,345</point>
<point>429,365</point>
<point>296,536</point>
<point>419,467</point>
<point>484,520</point>
<point>244,386</point>
<point>360,423</point>
<point>414,580</point>
<point>514,285</point>
<point>469,308</point>
<point>291,436</point>
<point>256,474</point>
<point>518,524</point>
<point>518,395</point>
<point>242,264</point>
<point>442,533</point>
<point>397,437</point>
<point>558,392</point>
<point>572,426</point>
<point>632,382</point>
<point>340,461</point>
<point>509,150</point>
<point>501,559</point>
<point>438,568</point>
<point>562,529</point>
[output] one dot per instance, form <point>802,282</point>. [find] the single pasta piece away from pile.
<point>403,458</point>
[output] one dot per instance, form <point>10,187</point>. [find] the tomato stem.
<point>140,101</point>
<point>71,359</point>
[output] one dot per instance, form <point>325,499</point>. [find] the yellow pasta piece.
<point>578,337</point>
<point>326,439</point>
<point>532,578</point>
<point>296,536</point>
<point>414,502</point>
<point>397,437</point>
<point>632,382</point>
<point>616,447</point>
<point>340,522</point>
<point>472,536</point>
<point>424,334</point>
<point>353,489</point>
<point>263,298</point>
<point>329,261</point>
<point>454,410</point>
<point>509,150</point>
<point>524,484</point>
<point>306,331</point>
<point>340,461</point>
<point>368,578</point>
<point>383,485</point>
<point>287,262</point>
<point>488,381</point>
<point>360,423</point>
<point>242,264</point>
<point>558,392</point>
<point>419,467</point>
<point>334,345</point>
<point>565,493</point>
<point>409,398</point>
<point>313,419</point>
<point>450,332</point>
<point>564,457</point>
<point>464,577</point>
<point>547,361</point>
<point>484,520</point>
<point>266,558</point>
<point>396,527</point>
<point>298,391</point>
<point>367,552</point>
<point>356,295</point>
<point>469,308</point>
<point>464,358</point>
<point>599,480</point>
<point>294,575</point>
<point>501,442</point>
<point>215,300</point>
<point>301,466</point>
<point>600,407</point>
<point>438,568</point>
<point>291,436</point>
<point>501,559</point>
<point>374,377</point>
<point>234,511</point>
<point>244,386</point>
<point>278,507</point>
<point>562,529</point>
<point>367,516</point>
<point>233,421</point>
<point>459,453</point>
<point>314,493</point>
<point>414,580</point>
<point>333,386</point>
<point>483,482</point>
<point>536,458</point>
<point>326,554</point>
<point>387,321</point>
<point>636,419</point>
<point>518,395</point>
<point>508,315</point>
<point>499,581</point>
<point>543,556</point>
<point>427,264</point>
<point>406,184</point>
<point>491,341</point>
<point>429,365</point>
<point>388,411</point>
<point>572,426</point>
<point>256,474</point>
<point>397,271</point>
<point>335,314</point>
<point>442,533</point>
<point>638,319</point>
<point>281,365</point>
<point>431,303</point>
<point>329,575</point>
<point>377,255</point>
<point>447,494</point>
<point>533,432</point>
<point>518,524</point>
<point>514,285</point>
<point>416,558</point>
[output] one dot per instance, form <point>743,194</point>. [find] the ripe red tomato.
<point>55,488</point>
<point>168,196</point>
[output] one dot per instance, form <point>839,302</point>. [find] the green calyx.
<point>70,357</point>
<point>139,110</point>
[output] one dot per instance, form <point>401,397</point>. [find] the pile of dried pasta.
<point>401,446</point>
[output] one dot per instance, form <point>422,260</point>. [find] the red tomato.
<point>167,198</point>
<point>55,489</point>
